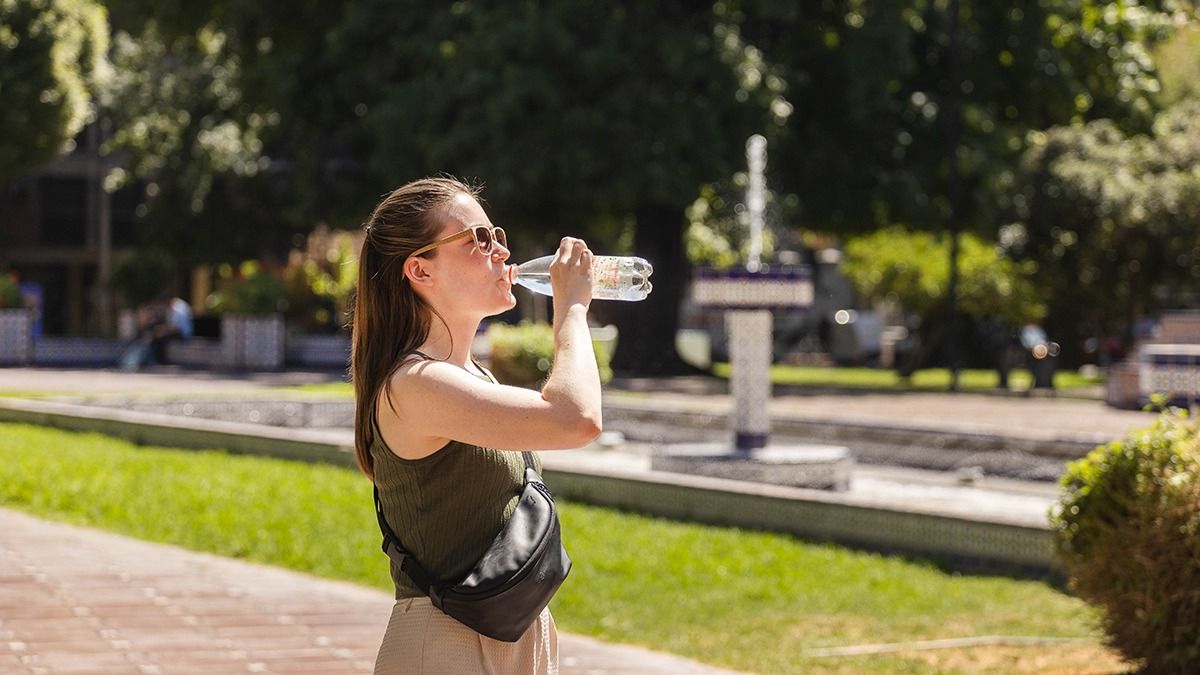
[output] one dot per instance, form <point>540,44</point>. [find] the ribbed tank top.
<point>446,508</point>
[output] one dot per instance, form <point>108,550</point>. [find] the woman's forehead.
<point>463,211</point>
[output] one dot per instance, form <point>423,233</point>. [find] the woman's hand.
<point>571,274</point>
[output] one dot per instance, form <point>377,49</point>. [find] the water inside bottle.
<point>614,278</point>
<point>620,278</point>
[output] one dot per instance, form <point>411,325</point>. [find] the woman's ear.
<point>418,272</point>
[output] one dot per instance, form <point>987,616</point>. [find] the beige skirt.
<point>422,640</point>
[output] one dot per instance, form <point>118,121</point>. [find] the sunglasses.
<point>485,239</point>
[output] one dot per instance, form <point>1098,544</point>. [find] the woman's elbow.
<point>588,428</point>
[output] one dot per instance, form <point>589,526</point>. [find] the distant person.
<point>440,438</point>
<point>159,321</point>
<point>176,325</point>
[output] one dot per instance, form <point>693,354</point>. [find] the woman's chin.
<point>507,302</point>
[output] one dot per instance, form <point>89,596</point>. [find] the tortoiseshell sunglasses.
<point>485,239</point>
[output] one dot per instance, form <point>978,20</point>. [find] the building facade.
<point>59,230</point>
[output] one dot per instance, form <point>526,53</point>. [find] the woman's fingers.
<point>572,250</point>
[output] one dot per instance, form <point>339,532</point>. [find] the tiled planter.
<point>16,337</point>
<point>252,342</point>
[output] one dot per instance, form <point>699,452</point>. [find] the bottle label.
<point>606,274</point>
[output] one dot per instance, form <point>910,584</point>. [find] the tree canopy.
<point>52,66</point>
<point>1111,220</point>
<point>872,84</point>
<point>248,126</point>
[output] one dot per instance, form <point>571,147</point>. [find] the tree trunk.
<point>646,338</point>
<point>932,335</point>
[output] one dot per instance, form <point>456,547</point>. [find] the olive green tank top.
<point>448,507</point>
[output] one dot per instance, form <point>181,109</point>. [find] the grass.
<point>745,600</point>
<point>25,394</point>
<point>339,389</point>
<point>933,379</point>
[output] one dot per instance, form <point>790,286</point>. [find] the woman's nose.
<point>500,252</point>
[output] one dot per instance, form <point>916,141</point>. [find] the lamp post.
<point>953,189</point>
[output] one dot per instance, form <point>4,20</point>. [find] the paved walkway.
<point>76,600</point>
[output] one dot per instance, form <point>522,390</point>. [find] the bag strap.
<point>399,555</point>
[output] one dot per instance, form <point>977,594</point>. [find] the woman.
<point>440,438</point>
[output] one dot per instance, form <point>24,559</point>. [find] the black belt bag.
<point>514,580</point>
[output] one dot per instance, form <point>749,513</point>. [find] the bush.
<point>142,275</point>
<point>251,288</point>
<point>1128,528</point>
<point>10,291</point>
<point>522,354</point>
<point>319,280</point>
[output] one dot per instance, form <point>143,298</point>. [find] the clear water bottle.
<point>613,277</point>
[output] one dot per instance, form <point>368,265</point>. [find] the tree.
<point>866,146</point>
<point>912,269</point>
<point>584,118</point>
<point>183,129</point>
<point>52,66</point>
<point>216,112</point>
<point>1111,221</point>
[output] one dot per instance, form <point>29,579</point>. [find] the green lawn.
<point>937,379</point>
<point>745,600</point>
<point>933,379</point>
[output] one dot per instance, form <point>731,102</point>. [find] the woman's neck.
<point>451,341</point>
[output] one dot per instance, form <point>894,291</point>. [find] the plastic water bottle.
<point>613,277</point>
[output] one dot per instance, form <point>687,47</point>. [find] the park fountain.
<point>747,297</point>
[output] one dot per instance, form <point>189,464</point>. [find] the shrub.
<point>140,276</point>
<point>1128,528</point>
<point>10,291</point>
<point>522,354</point>
<point>319,280</point>
<point>250,288</point>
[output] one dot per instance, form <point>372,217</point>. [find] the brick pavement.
<point>77,600</point>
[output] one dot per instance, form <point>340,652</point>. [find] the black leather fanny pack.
<point>514,580</point>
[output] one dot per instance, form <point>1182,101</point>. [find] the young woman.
<point>439,437</point>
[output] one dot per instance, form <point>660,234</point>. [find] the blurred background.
<point>966,182</point>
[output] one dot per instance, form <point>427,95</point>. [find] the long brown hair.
<point>390,319</point>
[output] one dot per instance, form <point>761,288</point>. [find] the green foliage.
<point>141,275</point>
<point>718,232</point>
<point>583,118</point>
<point>913,269</point>
<point>10,291</point>
<point>1128,528</point>
<point>747,600</point>
<point>1111,219</point>
<point>1178,61</point>
<point>182,128</point>
<point>320,279</point>
<point>52,65</point>
<point>620,104</point>
<point>872,90</point>
<point>250,288</point>
<point>522,355</point>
